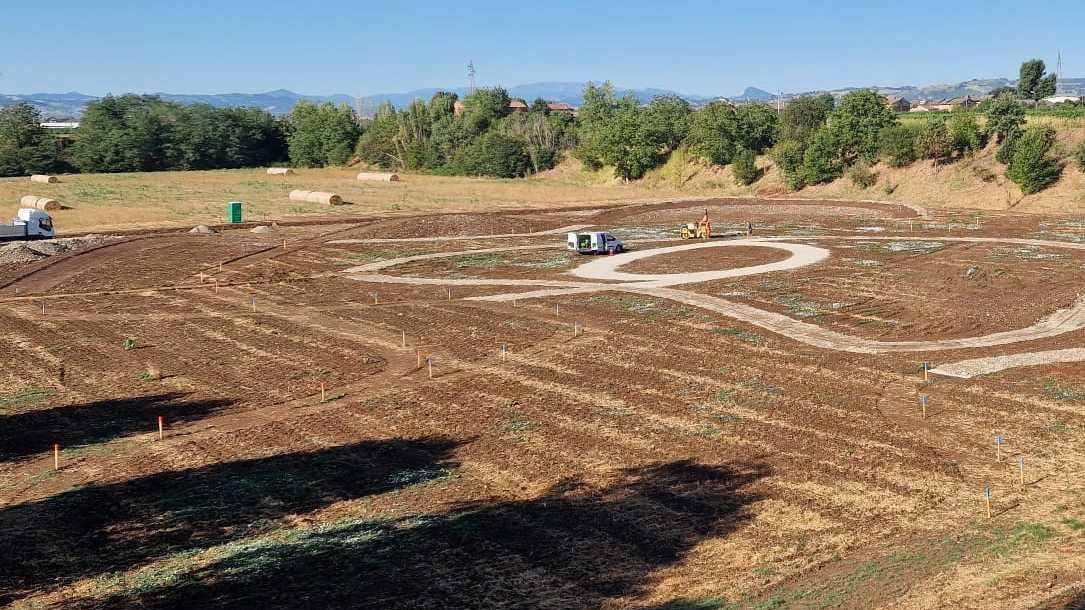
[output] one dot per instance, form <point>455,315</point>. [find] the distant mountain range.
<point>279,102</point>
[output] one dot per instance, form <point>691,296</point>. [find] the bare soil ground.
<point>665,457</point>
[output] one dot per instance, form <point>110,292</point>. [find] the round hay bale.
<point>279,171</point>
<point>41,203</point>
<point>44,179</point>
<point>201,230</point>
<point>261,229</point>
<point>378,176</point>
<point>316,197</point>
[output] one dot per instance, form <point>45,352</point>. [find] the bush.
<point>1005,150</point>
<point>898,144</point>
<point>788,155</point>
<point>744,167</point>
<point>494,154</point>
<point>1033,167</point>
<point>965,135</point>
<point>1005,116</point>
<point>1079,156</point>
<point>820,162</point>
<point>861,176</point>
<point>932,141</point>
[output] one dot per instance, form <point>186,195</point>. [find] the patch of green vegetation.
<point>1055,391</point>
<point>616,412</point>
<point>705,431</point>
<point>727,418</point>
<point>1058,427</point>
<point>726,396</point>
<point>917,247</point>
<point>764,571</point>
<point>554,262</point>
<point>1027,253</point>
<point>1074,523</point>
<point>486,260</point>
<point>380,255</point>
<point>420,477</point>
<point>740,333</point>
<point>23,397</point>
<point>95,192</point>
<point>44,475</point>
<point>868,263</point>
<point>643,306</point>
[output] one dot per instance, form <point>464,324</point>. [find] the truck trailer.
<point>29,223</point>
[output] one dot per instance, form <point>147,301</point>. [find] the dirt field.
<point>594,446</point>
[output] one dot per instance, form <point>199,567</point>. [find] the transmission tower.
<point>471,84</point>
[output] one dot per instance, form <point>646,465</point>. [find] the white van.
<point>594,242</point>
<point>29,224</point>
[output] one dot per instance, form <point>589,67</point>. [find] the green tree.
<point>803,116</point>
<point>322,134</point>
<point>853,126</point>
<point>756,126</point>
<point>744,167</point>
<point>540,106</point>
<point>483,107</point>
<point>493,154</point>
<point>26,148</point>
<point>713,132</point>
<point>1033,167</point>
<point>1005,116</point>
<point>965,135</point>
<point>669,115</point>
<point>822,161</point>
<point>377,144</point>
<point>633,141</point>
<point>932,140</point>
<point>1033,84</point>
<point>1079,156</point>
<point>130,133</point>
<point>898,144</point>
<point>788,155</point>
<point>594,116</point>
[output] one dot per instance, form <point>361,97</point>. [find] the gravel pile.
<point>23,252</point>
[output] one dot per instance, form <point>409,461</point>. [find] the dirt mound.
<point>201,230</point>
<point>18,253</point>
<point>261,229</point>
<point>29,251</point>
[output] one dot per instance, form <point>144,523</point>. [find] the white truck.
<point>594,242</point>
<point>28,224</point>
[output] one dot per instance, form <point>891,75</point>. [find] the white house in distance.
<point>60,125</point>
<point>1061,99</point>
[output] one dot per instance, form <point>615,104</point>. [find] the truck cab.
<point>594,242</point>
<point>29,223</point>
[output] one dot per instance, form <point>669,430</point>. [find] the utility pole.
<point>471,84</point>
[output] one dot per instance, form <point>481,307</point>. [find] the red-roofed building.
<point>517,105</point>
<point>560,107</point>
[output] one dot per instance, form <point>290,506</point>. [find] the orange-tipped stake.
<point>418,357</point>
<point>403,338</point>
<point>161,422</point>
<point>322,395</point>
<point>56,456</point>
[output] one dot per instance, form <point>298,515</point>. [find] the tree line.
<point>812,140</point>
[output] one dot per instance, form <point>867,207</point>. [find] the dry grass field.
<point>104,202</point>
<point>598,449</point>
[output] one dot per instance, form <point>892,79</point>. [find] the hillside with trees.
<point>813,140</point>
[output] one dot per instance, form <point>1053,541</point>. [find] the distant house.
<point>897,103</point>
<point>561,107</point>
<point>60,125</point>
<point>944,105</point>
<point>517,105</point>
<point>1062,99</point>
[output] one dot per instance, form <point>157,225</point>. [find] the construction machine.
<point>701,229</point>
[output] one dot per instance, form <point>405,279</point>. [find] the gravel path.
<point>659,285</point>
<point>966,369</point>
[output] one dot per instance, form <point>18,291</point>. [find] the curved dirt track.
<point>966,369</point>
<point>658,285</point>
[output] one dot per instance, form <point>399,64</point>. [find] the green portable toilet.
<point>233,212</point>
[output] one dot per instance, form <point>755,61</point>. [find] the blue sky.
<point>698,47</point>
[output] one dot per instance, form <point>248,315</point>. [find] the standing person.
<point>749,229</point>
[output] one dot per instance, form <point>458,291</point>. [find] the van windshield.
<point>46,224</point>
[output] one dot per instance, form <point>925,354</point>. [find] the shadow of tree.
<point>575,546</point>
<point>34,432</point>
<point>92,530</point>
